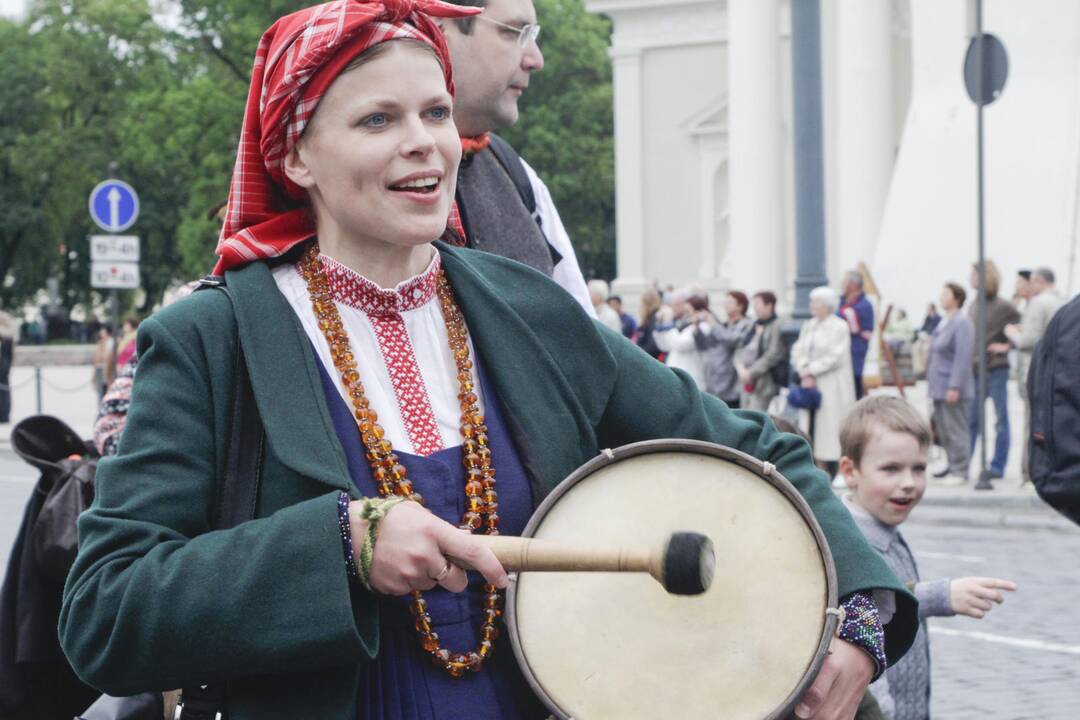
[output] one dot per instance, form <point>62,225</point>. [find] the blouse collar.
<point>349,287</point>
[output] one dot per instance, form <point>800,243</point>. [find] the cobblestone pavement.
<point>1023,660</point>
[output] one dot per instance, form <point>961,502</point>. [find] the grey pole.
<point>981,329</point>
<point>37,386</point>
<point>114,307</point>
<point>809,153</point>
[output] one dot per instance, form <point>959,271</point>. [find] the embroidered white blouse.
<point>402,351</point>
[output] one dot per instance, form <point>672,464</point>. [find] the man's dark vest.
<point>492,199</point>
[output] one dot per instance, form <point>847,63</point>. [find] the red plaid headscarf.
<point>297,60</point>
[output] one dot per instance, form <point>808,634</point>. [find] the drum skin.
<point>600,646</point>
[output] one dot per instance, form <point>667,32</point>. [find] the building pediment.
<point>710,121</point>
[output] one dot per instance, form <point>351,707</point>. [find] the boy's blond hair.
<point>880,412</point>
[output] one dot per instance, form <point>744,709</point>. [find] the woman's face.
<point>731,307</point>
<point>379,158</point>
<point>819,309</point>
<point>947,301</point>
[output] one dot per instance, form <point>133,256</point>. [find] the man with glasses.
<point>505,208</point>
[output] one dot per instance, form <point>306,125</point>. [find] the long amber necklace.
<point>391,477</point>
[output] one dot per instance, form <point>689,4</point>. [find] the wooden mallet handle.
<point>683,564</point>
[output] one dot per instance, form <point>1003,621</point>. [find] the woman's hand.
<point>839,687</point>
<point>744,374</point>
<point>809,382</point>
<point>952,396</point>
<point>412,548</point>
<point>973,596</point>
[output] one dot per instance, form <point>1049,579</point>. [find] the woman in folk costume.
<point>393,375</point>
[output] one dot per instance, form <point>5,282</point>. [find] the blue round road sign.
<point>114,205</point>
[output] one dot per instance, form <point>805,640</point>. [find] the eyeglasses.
<point>525,34</point>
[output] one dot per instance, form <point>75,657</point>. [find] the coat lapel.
<point>285,379</point>
<point>557,422</point>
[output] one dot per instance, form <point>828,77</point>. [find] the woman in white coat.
<point>822,357</point>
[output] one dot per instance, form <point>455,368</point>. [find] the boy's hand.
<point>974,596</point>
<point>839,686</point>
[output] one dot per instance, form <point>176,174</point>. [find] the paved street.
<point>16,483</point>
<point>1023,659</point>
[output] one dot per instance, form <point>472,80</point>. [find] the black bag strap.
<point>235,496</point>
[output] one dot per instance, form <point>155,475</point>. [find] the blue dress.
<point>401,683</point>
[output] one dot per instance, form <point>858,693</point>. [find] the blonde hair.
<point>880,412</point>
<point>993,279</point>
<point>650,303</point>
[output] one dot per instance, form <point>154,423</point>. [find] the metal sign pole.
<point>981,333</point>
<point>114,302</point>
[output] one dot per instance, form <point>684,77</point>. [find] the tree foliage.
<point>566,130</point>
<point>101,87</point>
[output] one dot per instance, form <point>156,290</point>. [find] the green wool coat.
<point>157,601</point>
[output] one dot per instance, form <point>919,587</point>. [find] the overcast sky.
<point>11,8</point>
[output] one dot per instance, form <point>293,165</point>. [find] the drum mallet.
<point>683,564</point>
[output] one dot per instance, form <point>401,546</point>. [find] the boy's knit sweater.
<point>904,691</point>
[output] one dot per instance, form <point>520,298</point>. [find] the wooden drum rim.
<point>765,470</point>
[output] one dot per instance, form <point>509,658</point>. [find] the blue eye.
<point>374,121</point>
<point>439,113</point>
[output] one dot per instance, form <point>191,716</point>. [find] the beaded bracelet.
<point>862,627</point>
<point>346,534</point>
<point>372,510</point>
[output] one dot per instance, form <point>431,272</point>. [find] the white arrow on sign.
<point>114,208</point>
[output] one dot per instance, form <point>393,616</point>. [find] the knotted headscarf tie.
<point>297,59</point>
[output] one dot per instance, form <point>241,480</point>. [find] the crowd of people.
<point>739,354</point>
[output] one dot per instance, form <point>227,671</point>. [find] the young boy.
<point>884,444</point>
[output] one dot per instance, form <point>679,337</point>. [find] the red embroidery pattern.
<point>412,396</point>
<point>353,289</point>
<point>384,308</point>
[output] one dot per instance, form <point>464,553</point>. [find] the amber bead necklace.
<point>391,477</point>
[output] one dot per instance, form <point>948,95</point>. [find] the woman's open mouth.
<point>901,503</point>
<point>422,186</point>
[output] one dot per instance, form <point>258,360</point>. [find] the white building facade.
<point>703,139</point>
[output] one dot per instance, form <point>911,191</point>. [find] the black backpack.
<point>1054,397</point>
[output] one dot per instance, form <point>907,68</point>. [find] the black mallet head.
<point>688,564</point>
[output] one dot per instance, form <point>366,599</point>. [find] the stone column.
<point>809,152</point>
<point>755,259</point>
<point>865,136</point>
<point>629,201</point>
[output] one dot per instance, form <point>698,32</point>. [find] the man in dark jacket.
<point>505,208</point>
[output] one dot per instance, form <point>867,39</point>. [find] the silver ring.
<point>442,573</point>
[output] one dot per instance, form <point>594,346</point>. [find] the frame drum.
<point>616,646</point>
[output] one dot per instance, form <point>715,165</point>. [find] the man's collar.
<point>473,145</point>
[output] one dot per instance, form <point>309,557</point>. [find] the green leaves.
<point>94,82</point>
<point>566,130</point>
